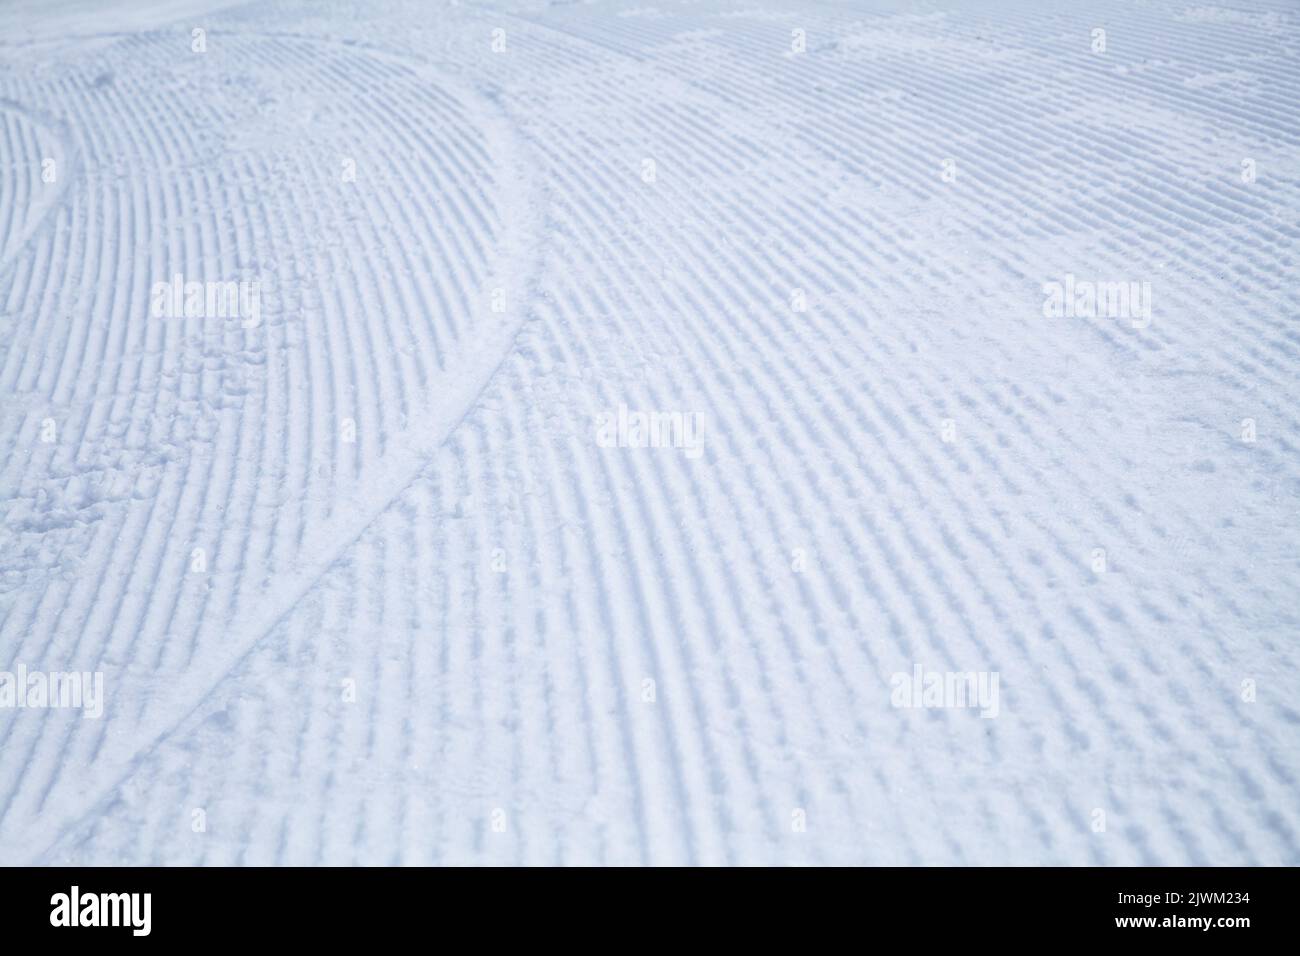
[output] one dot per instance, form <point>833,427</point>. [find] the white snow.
<point>649,432</point>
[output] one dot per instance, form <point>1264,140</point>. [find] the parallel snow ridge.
<point>29,190</point>
<point>542,650</point>
<point>203,462</point>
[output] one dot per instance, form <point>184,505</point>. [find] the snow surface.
<point>487,631</point>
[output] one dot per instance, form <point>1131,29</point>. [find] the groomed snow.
<point>735,432</point>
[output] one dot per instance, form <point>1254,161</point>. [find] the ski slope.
<point>378,566</point>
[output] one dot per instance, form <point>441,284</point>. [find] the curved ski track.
<point>498,589</point>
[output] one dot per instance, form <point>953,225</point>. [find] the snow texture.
<point>630,416</point>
